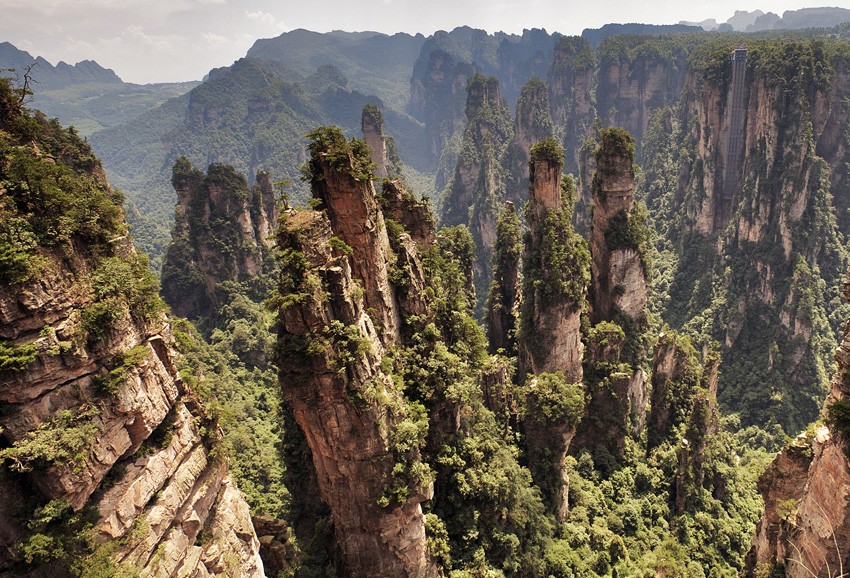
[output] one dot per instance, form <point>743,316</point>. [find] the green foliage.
<point>448,265</point>
<point>553,401</point>
<point>557,264</point>
<point>790,63</point>
<point>838,416</point>
<point>476,192</point>
<point>630,231</point>
<point>112,381</point>
<point>67,542</point>
<point>350,157</point>
<point>339,245</point>
<point>240,388</point>
<point>64,440</point>
<point>555,272</point>
<point>407,438</point>
<point>373,114</point>
<point>52,193</point>
<point>548,149</point>
<point>16,357</point>
<point>121,285</point>
<point>437,540</point>
<point>504,288</point>
<point>614,142</point>
<point>573,53</point>
<point>19,258</point>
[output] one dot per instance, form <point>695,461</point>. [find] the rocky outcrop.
<point>95,416</point>
<point>416,218</point>
<point>805,529</point>
<point>381,147</point>
<point>477,189</point>
<point>678,374</point>
<point>638,75</point>
<point>358,223</point>
<point>618,234</point>
<point>438,97</point>
<point>331,356</point>
<point>571,94</point>
<point>372,125</point>
<point>690,474</point>
<point>612,387</point>
<point>532,125</point>
<point>555,276</point>
<point>223,232</point>
<point>446,63</point>
<point>277,545</point>
<point>618,295</point>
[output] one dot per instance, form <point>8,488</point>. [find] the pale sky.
<point>174,40</point>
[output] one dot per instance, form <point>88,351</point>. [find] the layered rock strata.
<point>101,438</point>
<point>331,370</point>
<point>357,221</point>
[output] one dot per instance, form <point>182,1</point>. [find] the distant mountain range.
<point>85,95</point>
<point>758,21</point>
<point>254,114</point>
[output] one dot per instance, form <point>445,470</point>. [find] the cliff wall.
<point>109,463</point>
<point>338,312</point>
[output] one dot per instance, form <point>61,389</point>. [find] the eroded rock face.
<point>106,455</point>
<point>372,125</point>
<point>805,528</point>
<point>632,83</point>
<point>216,210</point>
<point>619,279</point>
<point>175,490</point>
<point>532,125</point>
<point>503,302</point>
<point>552,339</point>
<point>438,96</point>
<point>357,221</point>
<point>477,189</point>
<point>678,374</point>
<point>549,340</point>
<point>771,203</point>
<point>338,403</point>
<point>571,94</point>
<point>334,294</point>
<point>618,296</point>
<point>399,205</point>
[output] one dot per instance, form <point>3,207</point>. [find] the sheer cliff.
<point>805,529</point>
<point>110,464</point>
<point>763,251</point>
<point>223,233</point>
<point>477,190</point>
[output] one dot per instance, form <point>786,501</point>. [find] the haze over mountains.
<point>758,21</point>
